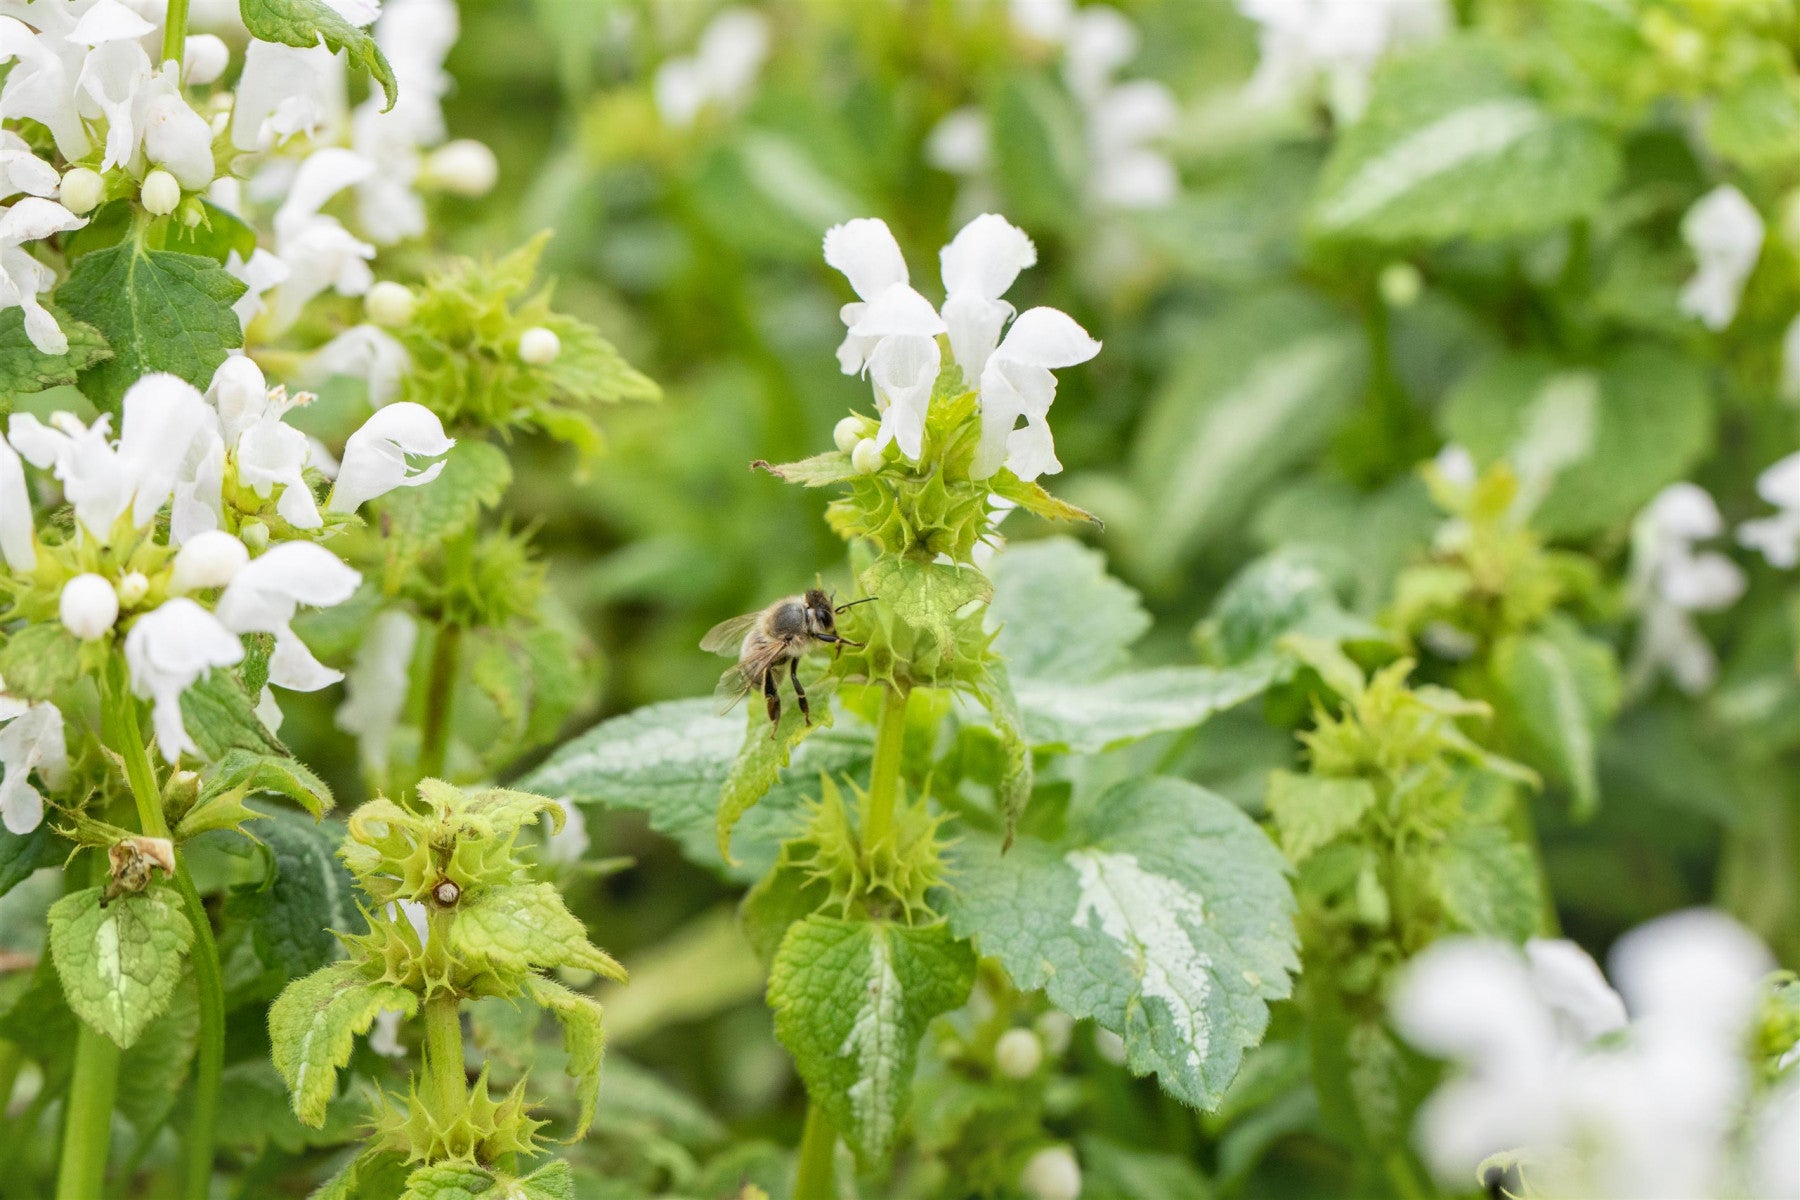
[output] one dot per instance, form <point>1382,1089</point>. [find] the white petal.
<point>163,417</point>
<point>33,218</point>
<point>1780,484</point>
<point>178,139</point>
<point>375,456</point>
<point>376,687</point>
<point>1472,1000</point>
<point>262,597</point>
<point>898,311</point>
<point>169,649</point>
<point>1697,969</point>
<point>1047,337</point>
<point>209,559</point>
<point>866,252</point>
<point>1570,982</point>
<point>18,542</point>
<point>1686,511</point>
<point>293,666</point>
<point>985,257</point>
<point>905,369</point>
<point>974,325</point>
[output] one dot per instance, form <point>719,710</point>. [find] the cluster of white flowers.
<point>1671,580</point>
<point>1125,119</point>
<point>1726,235</point>
<point>893,333</point>
<point>175,451</point>
<point>1777,536</point>
<point>1313,47</point>
<point>719,74</point>
<point>1594,1095</point>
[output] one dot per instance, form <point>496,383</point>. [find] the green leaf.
<point>305,23</point>
<point>851,1001</point>
<point>1756,120</point>
<point>762,755</point>
<point>23,853</point>
<point>119,963</point>
<point>1032,497</point>
<point>1085,718</point>
<point>1274,596</point>
<point>216,237</point>
<point>244,771</point>
<point>1016,774</point>
<point>40,660</point>
<point>1060,615</point>
<point>307,895</point>
<point>523,927</point>
<point>1562,687</point>
<point>221,716</point>
<point>314,1024</point>
<point>448,1181</point>
<point>1110,1171</point>
<point>821,470</point>
<point>584,1040</point>
<point>1310,811</point>
<point>670,761</point>
<point>152,1072</point>
<point>157,310</point>
<point>1651,423</point>
<point>24,368</point>
<point>1256,391</point>
<point>1488,883</point>
<point>476,475</point>
<point>925,595</point>
<point>1039,153</point>
<point>1163,913</point>
<point>1450,147</point>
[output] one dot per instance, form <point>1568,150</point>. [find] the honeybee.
<point>763,640</point>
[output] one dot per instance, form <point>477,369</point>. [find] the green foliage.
<point>307,23</point>
<point>314,1024</point>
<point>119,961</point>
<point>25,368</point>
<point>157,310</point>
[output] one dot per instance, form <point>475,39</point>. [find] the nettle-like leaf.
<point>307,23</point>
<point>24,368</point>
<point>1163,913</point>
<point>1649,412</point>
<point>475,477</point>
<point>457,1181</point>
<point>515,929</point>
<point>314,1024</point>
<point>1451,147</point>
<point>119,963</point>
<point>152,1072</point>
<point>220,715</point>
<point>40,660</point>
<point>157,311</point>
<point>670,761</point>
<point>851,1001</point>
<point>584,1040</point>
<point>1277,595</point>
<point>1312,811</point>
<point>307,895</point>
<point>1089,718</point>
<point>1256,391</point>
<point>1561,688</point>
<point>1488,883</point>
<point>925,595</point>
<point>245,772</point>
<point>21,854</point>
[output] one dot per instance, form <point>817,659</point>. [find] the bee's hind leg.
<point>774,698</point>
<point>799,692</point>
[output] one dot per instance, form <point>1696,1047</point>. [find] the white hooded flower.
<point>285,92</point>
<point>1017,383</point>
<point>1725,233</point>
<point>259,273</point>
<point>210,559</point>
<point>1312,46</point>
<point>979,265</point>
<point>377,456</point>
<point>268,452</point>
<point>1777,537</point>
<point>363,352</point>
<point>1125,119</point>
<point>264,595</point>
<point>23,171</point>
<point>319,252</point>
<point>23,277</point>
<point>376,686</point>
<point>167,651</point>
<point>720,72</point>
<point>31,739</point>
<point>18,532</point>
<point>1671,580</point>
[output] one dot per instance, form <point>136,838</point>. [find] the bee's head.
<point>820,614</point>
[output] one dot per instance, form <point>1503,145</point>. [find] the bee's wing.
<point>727,636</point>
<point>740,680</point>
<point>734,685</point>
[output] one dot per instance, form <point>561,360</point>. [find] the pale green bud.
<point>88,606</point>
<point>866,457</point>
<point>1052,1174</point>
<point>538,347</point>
<point>847,432</point>
<point>1401,284</point>
<point>391,304</point>
<point>160,193</point>
<point>1018,1054</point>
<point>82,190</point>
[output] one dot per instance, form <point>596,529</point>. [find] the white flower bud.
<point>847,432</point>
<point>82,190</point>
<point>160,193</point>
<point>538,347</point>
<point>207,560</point>
<point>1055,1028</point>
<point>1051,1174</point>
<point>866,458</point>
<point>1109,1046</point>
<point>88,606</point>
<point>1018,1054</point>
<point>133,588</point>
<point>204,59</point>
<point>463,167</point>
<point>389,304</point>
<point>255,535</point>
<point>1400,284</point>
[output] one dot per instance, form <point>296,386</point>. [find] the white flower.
<point>319,252</point>
<point>1551,1070</point>
<point>263,596</point>
<point>1309,45</point>
<point>286,91</point>
<point>959,143</point>
<point>18,532</point>
<point>207,560</point>
<point>88,606</point>
<point>363,351</point>
<point>1124,119</point>
<point>1018,1054</point>
<point>31,740</point>
<point>1671,580</point>
<point>1725,233</point>
<point>720,72</point>
<point>168,650</point>
<point>22,277</point>
<point>376,686</point>
<point>376,456</point>
<point>269,453</point>
<point>259,273</point>
<point>23,171</point>
<point>1777,537</point>
<point>204,57</point>
<point>1017,383</point>
<point>979,265</point>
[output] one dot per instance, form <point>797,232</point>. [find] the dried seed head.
<point>446,893</point>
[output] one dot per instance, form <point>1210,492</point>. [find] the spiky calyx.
<point>479,1129</point>
<point>889,877</point>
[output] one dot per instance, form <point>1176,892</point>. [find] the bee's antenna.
<point>854,603</point>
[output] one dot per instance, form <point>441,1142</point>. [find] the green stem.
<point>87,1122</point>
<point>884,774</point>
<point>816,1177</point>
<point>175,32</point>
<point>128,740</point>
<point>440,696</point>
<point>446,1078</point>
